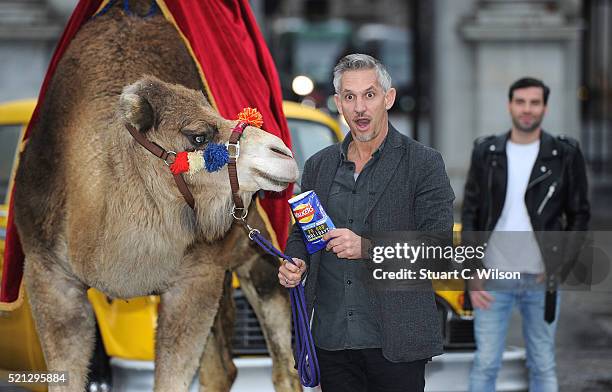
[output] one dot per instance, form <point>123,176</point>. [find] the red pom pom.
<point>181,163</point>
<point>251,116</point>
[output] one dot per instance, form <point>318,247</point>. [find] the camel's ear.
<point>135,108</point>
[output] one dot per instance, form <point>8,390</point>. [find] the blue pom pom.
<point>215,157</point>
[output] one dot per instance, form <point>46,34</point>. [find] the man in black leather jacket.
<point>524,182</point>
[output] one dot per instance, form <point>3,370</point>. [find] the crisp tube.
<point>312,219</point>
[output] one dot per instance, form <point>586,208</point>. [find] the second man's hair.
<point>529,82</point>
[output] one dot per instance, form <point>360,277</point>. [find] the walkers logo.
<point>304,213</point>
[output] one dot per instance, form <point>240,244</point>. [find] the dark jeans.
<point>368,371</point>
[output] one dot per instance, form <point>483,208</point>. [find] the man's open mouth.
<point>362,122</point>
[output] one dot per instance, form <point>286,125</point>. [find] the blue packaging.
<point>312,219</point>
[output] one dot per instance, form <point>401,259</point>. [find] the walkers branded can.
<point>314,222</point>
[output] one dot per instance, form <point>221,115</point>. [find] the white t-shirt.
<point>512,245</point>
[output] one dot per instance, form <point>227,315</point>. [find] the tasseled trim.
<point>214,156</point>
<point>181,163</point>
<point>251,116</point>
<point>196,161</point>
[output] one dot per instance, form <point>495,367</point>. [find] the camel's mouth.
<point>286,153</point>
<point>268,182</point>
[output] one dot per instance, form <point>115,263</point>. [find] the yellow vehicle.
<point>19,346</point>
<point>126,328</point>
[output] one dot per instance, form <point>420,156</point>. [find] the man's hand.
<point>480,298</point>
<point>290,275</point>
<point>344,243</point>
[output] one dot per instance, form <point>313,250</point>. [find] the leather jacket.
<point>556,197</point>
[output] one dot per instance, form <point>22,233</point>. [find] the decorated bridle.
<point>211,159</point>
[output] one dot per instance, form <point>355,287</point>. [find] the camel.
<point>95,209</point>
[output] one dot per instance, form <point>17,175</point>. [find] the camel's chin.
<point>272,184</point>
<point>278,188</point>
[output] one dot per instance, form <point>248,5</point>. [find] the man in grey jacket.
<point>377,180</point>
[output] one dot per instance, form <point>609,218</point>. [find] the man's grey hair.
<point>358,61</point>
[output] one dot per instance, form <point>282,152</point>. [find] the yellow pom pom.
<point>251,116</point>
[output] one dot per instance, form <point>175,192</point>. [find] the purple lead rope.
<point>307,364</point>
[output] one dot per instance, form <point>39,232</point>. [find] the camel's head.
<point>180,119</point>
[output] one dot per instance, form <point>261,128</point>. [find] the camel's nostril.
<point>284,153</point>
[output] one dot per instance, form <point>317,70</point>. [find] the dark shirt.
<point>344,316</point>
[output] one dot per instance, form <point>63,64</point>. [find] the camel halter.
<point>169,157</point>
<point>193,161</point>
<point>212,158</point>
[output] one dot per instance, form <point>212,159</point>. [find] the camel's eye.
<point>197,139</point>
<point>200,135</point>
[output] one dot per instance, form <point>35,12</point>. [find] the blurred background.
<point>452,62</point>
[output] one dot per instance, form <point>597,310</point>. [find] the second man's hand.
<point>480,298</point>
<point>344,243</point>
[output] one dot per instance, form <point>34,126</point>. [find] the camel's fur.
<point>95,209</point>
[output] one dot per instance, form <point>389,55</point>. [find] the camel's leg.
<point>186,316</point>
<point>270,301</point>
<point>64,320</point>
<point>217,370</point>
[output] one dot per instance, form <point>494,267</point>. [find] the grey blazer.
<point>409,191</point>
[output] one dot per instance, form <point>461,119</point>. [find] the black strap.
<point>550,306</point>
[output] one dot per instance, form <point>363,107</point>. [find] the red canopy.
<point>237,69</point>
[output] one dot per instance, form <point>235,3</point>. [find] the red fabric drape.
<point>238,69</point>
